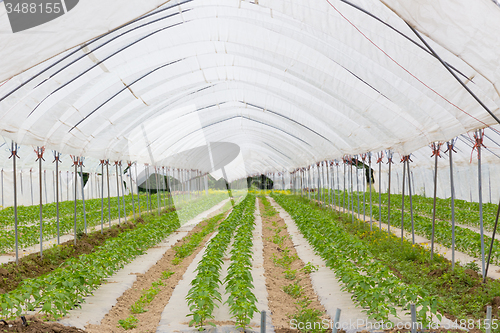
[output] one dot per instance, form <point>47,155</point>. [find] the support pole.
<point>158,191</point>
<point>129,164</point>
<point>357,184</point>
<point>138,192</point>
<point>345,167</point>
<point>352,189</point>
<point>57,160</point>
<point>389,161</point>
<point>75,163</point>
<point>435,153</point>
<point>411,201</point>
<point>370,183</point>
<point>102,196</point>
<point>109,199</point>
<point>404,160</point>
<point>479,143</point>
<point>379,161</point>
<point>83,196</point>
<point>452,185</point>
<point>118,192</point>
<point>363,158</point>
<point>123,193</point>
<point>338,183</point>
<point>13,155</point>
<point>39,154</point>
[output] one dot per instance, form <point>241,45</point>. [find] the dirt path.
<point>148,321</point>
<point>284,268</point>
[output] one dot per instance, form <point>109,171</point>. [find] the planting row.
<point>30,234</point>
<point>204,295</point>
<point>374,285</point>
<point>66,286</point>
<point>466,240</point>
<point>461,295</point>
<point>466,213</point>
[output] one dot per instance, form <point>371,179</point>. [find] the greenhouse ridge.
<point>242,155</point>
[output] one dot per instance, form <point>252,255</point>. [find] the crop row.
<point>373,284</point>
<point>203,296</point>
<point>466,213</point>
<point>30,234</point>
<point>242,301</point>
<point>467,241</point>
<point>66,286</point>
<point>29,214</point>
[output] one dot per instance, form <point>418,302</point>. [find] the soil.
<point>36,325</point>
<point>282,305</point>
<point>32,265</point>
<point>148,321</point>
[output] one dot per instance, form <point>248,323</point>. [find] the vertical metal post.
<point>336,324</point>
<point>452,185</point>
<point>479,143</point>
<point>31,186</point>
<point>39,153</point>
<point>364,187</point>
<point>389,161</point>
<point>436,155</point>
<point>56,161</point>
<point>75,163</point>
<point>131,186</point>
<point>138,192</point>
<point>370,183</point>
<point>413,318</point>
<point>102,196</point>
<point>67,185</point>
<point>14,156</point>
<point>157,190</point>
<point>380,190</point>
<point>263,321</point>
<point>403,199</point>
<point>147,186</point>
<point>343,201</point>
<point>118,192</point>
<point>411,202</point>
<point>329,182</point>
<point>109,198</point>
<point>83,196</point>
<point>357,183</point>
<point>123,193</point>
<point>351,188</point>
<point>487,323</point>
<point>338,184</point>
<point>309,187</point>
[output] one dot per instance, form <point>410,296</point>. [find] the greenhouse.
<point>249,166</point>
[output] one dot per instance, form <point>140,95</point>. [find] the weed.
<point>294,289</point>
<point>290,274</point>
<point>129,323</point>
<point>309,268</point>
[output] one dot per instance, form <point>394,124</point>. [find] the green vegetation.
<point>203,295</point>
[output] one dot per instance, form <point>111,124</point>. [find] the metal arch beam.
<point>91,42</point>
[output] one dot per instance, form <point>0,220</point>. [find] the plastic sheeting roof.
<point>290,82</point>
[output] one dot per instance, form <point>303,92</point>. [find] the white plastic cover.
<point>289,82</point>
